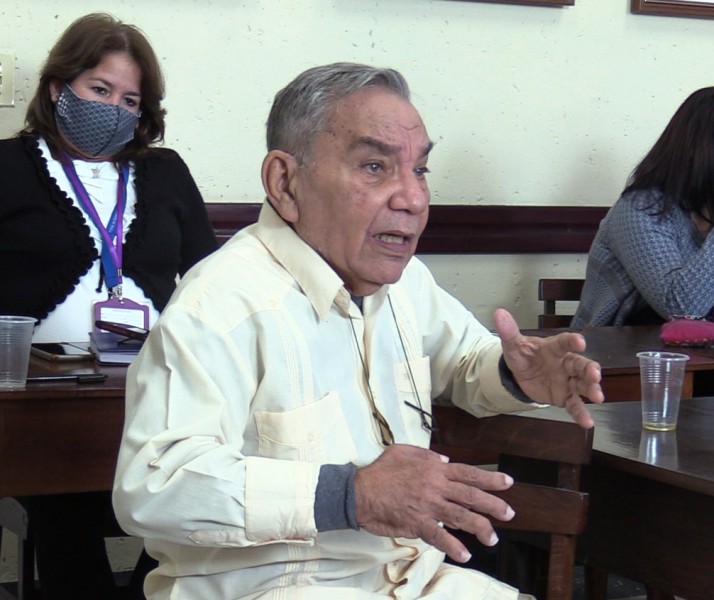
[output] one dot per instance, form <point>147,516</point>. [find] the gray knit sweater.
<point>640,259</point>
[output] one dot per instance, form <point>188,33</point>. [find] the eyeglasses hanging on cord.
<point>384,429</point>
<point>427,419</point>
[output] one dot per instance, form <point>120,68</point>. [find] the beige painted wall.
<point>528,105</point>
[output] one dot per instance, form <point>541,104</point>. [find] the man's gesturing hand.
<point>409,491</point>
<point>551,369</point>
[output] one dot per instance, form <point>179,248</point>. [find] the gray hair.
<point>303,107</point>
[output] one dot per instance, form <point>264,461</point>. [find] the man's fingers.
<point>434,534</point>
<point>577,409</point>
<point>571,342</point>
<point>506,326</point>
<point>584,378</point>
<point>459,516</point>
<point>577,365</point>
<point>478,478</point>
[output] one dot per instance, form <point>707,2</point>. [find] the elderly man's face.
<point>362,197</point>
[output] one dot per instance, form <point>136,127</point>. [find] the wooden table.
<point>61,437</point>
<point>651,515</point>
<point>615,348</point>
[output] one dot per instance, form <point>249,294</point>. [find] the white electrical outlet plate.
<point>7,80</point>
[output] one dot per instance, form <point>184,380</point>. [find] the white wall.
<point>528,105</point>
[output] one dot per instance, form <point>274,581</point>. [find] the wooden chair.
<point>551,291</point>
<point>556,507</point>
<point>13,517</point>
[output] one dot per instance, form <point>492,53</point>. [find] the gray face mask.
<point>95,128</point>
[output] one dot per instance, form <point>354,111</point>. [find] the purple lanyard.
<point>111,250</point>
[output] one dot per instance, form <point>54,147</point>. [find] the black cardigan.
<point>45,244</point>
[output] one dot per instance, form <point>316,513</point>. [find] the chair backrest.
<point>551,291</point>
<point>554,505</point>
<point>14,518</point>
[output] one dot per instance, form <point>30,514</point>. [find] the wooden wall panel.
<point>471,229</point>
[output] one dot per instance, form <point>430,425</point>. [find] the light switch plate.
<point>7,80</point>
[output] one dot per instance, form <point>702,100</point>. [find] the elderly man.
<point>278,418</point>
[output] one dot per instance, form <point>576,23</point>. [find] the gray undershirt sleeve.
<point>335,505</point>
<point>508,381</point>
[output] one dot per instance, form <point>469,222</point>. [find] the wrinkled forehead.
<point>378,113</point>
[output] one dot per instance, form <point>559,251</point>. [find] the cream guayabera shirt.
<point>249,382</point>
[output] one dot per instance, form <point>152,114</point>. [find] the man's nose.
<point>412,194</point>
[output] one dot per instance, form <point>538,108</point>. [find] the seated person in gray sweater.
<point>652,258</point>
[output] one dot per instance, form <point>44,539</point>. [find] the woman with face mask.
<point>94,221</point>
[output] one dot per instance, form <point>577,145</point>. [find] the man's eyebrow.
<point>384,147</point>
<point>427,149</point>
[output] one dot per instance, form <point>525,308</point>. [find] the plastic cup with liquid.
<point>661,377</point>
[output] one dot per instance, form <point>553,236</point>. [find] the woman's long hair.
<point>681,163</point>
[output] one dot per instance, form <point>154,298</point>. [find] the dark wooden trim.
<point>531,2</point>
<point>470,229</point>
<point>674,8</point>
<point>229,218</point>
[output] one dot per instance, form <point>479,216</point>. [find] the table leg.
<point>595,583</point>
<point>653,594</point>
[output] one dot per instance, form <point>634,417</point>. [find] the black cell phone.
<point>61,351</point>
<point>130,331</point>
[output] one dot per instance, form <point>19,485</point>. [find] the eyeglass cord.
<point>427,419</point>
<point>430,424</point>
<point>384,429</point>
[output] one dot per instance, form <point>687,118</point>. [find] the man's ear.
<point>278,172</point>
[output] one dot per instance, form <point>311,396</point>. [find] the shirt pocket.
<point>413,382</point>
<point>316,432</point>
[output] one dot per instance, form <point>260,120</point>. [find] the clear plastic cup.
<point>15,342</point>
<point>661,377</point>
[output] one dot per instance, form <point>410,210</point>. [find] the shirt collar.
<point>316,278</point>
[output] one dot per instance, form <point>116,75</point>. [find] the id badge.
<point>121,310</point>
